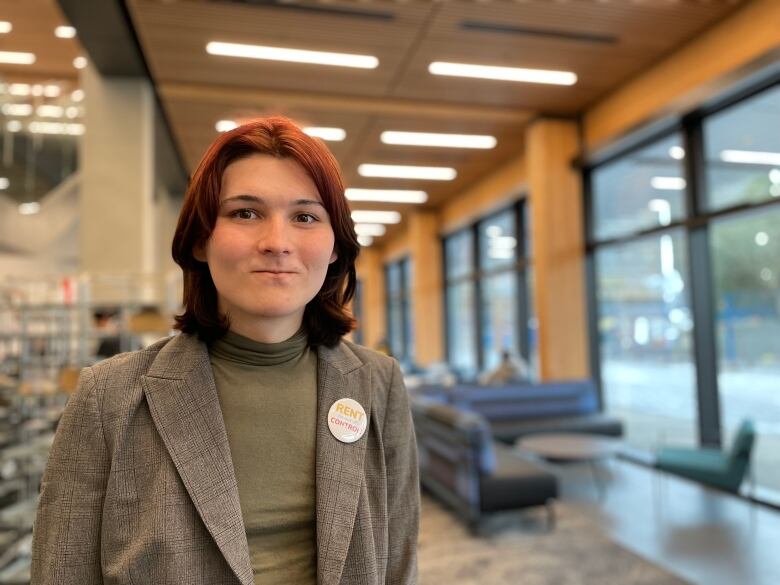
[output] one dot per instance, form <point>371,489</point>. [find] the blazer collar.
<point>183,401</point>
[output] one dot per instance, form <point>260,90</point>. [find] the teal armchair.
<point>723,470</point>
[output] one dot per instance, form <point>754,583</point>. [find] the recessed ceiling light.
<point>225,125</point>
<point>668,183</point>
<point>442,140</point>
<point>677,152</point>
<point>49,111</point>
<point>408,172</point>
<point>52,91</point>
<point>329,134</point>
<point>17,109</point>
<point>4,183</point>
<point>365,240</point>
<point>292,55</point>
<point>65,32</point>
<point>370,229</point>
<point>77,95</point>
<point>29,208</point>
<point>13,126</point>
<point>20,89</point>
<point>750,157</point>
<point>80,62</point>
<point>503,73</point>
<point>387,195</point>
<point>71,129</point>
<point>17,58</point>
<point>5,27</point>
<point>366,216</point>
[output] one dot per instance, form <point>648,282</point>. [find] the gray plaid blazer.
<point>140,487</point>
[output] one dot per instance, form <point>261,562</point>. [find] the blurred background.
<point>547,192</point>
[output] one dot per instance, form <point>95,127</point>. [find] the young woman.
<point>257,446</point>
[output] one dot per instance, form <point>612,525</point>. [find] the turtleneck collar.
<point>239,349</point>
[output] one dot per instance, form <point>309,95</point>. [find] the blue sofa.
<point>514,411</point>
<point>463,467</point>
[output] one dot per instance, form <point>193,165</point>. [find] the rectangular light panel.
<point>292,55</point>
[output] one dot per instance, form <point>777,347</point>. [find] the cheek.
<point>224,249</point>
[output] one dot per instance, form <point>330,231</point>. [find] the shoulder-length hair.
<point>326,317</point>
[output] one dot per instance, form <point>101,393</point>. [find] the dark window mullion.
<point>705,352</point>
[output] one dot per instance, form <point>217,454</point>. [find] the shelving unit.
<point>47,334</point>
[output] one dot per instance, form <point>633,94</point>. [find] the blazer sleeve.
<point>66,533</point>
<point>403,486</point>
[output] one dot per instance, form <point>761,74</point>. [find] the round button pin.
<point>347,420</point>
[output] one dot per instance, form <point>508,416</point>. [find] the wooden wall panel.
<point>687,76</point>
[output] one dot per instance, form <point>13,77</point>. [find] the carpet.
<point>517,549</point>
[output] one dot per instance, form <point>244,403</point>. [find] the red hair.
<point>326,317</point>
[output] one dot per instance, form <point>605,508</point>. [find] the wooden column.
<point>555,193</point>
<point>372,276</point>
<point>427,287</point>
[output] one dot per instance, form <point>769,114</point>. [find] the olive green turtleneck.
<point>268,395</point>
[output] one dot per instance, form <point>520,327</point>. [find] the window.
<point>642,190</point>
<point>745,251</point>
<point>648,377</point>
<point>486,295</point>
<point>742,152</point>
<point>687,282</point>
<point>398,279</point>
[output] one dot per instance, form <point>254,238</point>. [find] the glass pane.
<point>533,327</point>
<point>645,331</point>
<point>461,336</point>
<point>394,327</point>
<point>642,190</point>
<point>393,279</point>
<point>746,270</point>
<point>408,321</point>
<point>742,152</point>
<point>497,241</point>
<point>459,254</point>
<point>499,318</point>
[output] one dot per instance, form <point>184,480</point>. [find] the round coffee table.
<point>572,448</point>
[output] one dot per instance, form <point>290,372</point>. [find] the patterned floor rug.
<point>518,549</point>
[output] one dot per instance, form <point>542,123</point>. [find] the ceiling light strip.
<point>494,72</point>
<point>370,216</point>
<point>17,58</point>
<point>292,55</point>
<point>387,195</point>
<point>480,141</point>
<point>408,172</point>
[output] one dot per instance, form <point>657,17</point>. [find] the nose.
<point>274,237</point>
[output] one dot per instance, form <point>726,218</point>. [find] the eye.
<point>244,214</point>
<point>306,218</point>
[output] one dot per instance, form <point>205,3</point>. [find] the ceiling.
<point>605,42</point>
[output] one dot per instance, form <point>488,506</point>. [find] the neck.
<point>268,331</point>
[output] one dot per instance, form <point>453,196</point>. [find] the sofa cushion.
<point>529,401</point>
<point>509,431</point>
<point>515,483</point>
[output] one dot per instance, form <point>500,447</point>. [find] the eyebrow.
<point>261,201</point>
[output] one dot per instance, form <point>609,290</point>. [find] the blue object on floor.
<point>711,466</point>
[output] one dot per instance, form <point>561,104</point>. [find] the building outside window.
<point>685,243</point>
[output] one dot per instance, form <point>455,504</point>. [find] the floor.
<point>700,535</point>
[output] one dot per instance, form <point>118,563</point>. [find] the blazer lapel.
<point>339,470</point>
<point>184,405</point>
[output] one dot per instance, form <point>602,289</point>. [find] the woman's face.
<point>271,246</point>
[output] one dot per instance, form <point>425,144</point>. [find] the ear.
<point>333,257</point>
<point>199,253</point>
